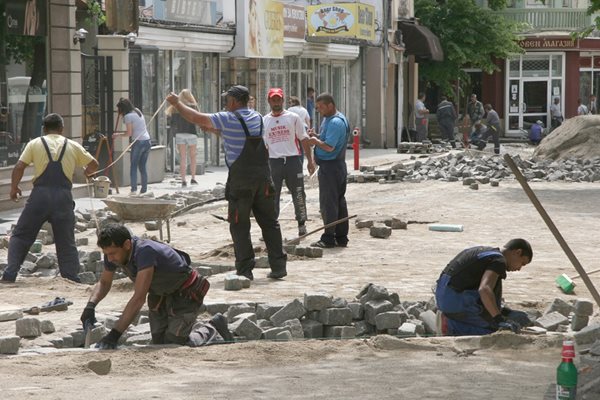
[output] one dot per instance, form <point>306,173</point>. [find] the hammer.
<point>566,284</point>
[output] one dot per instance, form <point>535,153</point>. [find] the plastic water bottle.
<point>566,373</point>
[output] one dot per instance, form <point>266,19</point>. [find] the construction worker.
<point>285,138</point>
<point>469,290</point>
<point>330,155</point>
<point>161,274</point>
<point>54,158</point>
<point>249,183</point>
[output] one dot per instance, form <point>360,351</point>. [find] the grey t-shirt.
<point>139,131</point>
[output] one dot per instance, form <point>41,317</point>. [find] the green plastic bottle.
<point>566,374</point>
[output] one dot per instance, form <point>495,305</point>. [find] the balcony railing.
<point>553,19</point>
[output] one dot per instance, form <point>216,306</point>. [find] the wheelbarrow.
<point>143,209</point>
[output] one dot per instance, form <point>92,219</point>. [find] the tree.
<point>470,36</point>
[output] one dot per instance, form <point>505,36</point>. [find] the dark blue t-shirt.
<point>468,267</point>
<point>148,253</point>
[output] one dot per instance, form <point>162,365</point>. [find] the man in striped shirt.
<point>249,184</point>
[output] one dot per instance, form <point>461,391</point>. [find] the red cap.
<point>275,92</point>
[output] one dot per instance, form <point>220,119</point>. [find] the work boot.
<point>277,275</point>
<point>220,324</point>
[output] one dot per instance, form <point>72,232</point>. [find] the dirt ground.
<point>408,262</point>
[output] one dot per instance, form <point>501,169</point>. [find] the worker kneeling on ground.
<point>163,274</point>
<point>469,290</point>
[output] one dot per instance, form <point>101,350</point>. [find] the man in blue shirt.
<point>330,155</point>
<point>249,183</point>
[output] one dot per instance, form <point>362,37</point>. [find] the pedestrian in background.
<point>249,184</point>
<point>556,117</point>
<point>421,120</point>
<point>581,108</point>
<point>135,128</point>
<point>475,111</point>
<point>310,105</point>
<point>593,107</point>
<point>186,136</point>
<point>297,109</point>
<point>285,138</point>
<point>54,158</point>
<point>330,155</point>
<point>446,117</point>
<point>493,123</point>
<point>536,132</point>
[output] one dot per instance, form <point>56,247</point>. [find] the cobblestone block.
<point>358,311</point>
<point>238,309</point>
<point>317,301</point>
<point>389,320</point>
<point>10,344</point>
<point>374,307</point>
<point>578,322</point>
<point>246,328</point>
<point>233,282</point>
<point>266,310</point>
<point>380,232</point>
<point>28,327</point>
<point>339,332</point>
<point>295,328</point>
<point>336,316</point>
<point>292,310</point>
<point>312,329</point>
<point>551,321</point>
<point>583,307</point>
<point>271,333</point>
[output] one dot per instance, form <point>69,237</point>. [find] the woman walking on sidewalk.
<point>136,129</point>
<point>186,136</point>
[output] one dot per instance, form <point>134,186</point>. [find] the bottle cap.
<point>568,350</point>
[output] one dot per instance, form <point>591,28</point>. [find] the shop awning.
<point>420,41</point>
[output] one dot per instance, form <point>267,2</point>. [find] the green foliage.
<point>95,14</point>
<point>20,49</point>
<point>471,36</point>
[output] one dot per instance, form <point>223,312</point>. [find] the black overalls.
<point>250,188</point>
<point>50,200</point>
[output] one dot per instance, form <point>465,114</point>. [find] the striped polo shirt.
<point>232,132</point>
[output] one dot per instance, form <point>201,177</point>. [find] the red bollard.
<point>356,146</point>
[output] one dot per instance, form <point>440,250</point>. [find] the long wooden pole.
<point>339,221</point>
<point>584,276</point>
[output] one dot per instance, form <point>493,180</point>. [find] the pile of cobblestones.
<point>474,167</point>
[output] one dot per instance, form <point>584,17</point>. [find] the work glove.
<point>110,341</point>
<point>88,316</point>
<point>503,324</point>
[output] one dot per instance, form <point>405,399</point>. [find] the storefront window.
<point>23,73</point>
<point>534,66</point>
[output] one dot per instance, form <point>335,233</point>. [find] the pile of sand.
<point>577,137</point>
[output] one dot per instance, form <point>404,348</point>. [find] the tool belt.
<point>195,287</point>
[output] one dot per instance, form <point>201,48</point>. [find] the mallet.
<point>566,284</point>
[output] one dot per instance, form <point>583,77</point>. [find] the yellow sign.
<point>343,20</point>
<point>264,29</point>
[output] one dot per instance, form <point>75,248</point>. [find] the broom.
<point>566,284</point>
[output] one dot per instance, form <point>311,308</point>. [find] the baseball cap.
<point>539,122</point>
<point>238,92</point>
<point>275,92</point>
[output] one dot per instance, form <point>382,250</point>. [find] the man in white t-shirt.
<point>296,108</point>
<point>284,134</point>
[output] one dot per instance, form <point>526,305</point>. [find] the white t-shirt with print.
<point>283,133</point>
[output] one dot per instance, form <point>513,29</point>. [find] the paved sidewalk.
<point>213,176</point>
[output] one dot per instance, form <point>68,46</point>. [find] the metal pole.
<point>584,276</point>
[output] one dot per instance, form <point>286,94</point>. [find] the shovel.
<point>566,284</point>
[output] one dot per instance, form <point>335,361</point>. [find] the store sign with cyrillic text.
<point>548,43</point>
<point>343,20</point>
<point>294,21</point>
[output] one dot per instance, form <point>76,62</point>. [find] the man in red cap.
<point>285,138</point>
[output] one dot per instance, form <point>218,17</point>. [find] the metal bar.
<point>584,276</point>
<point>299,238</point>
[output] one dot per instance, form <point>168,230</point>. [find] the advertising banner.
<point>342,20</point>
<point>294,21</point>
<point>264,29</point>
<point>26,17</point>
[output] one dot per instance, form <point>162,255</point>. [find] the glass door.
<point>534,103</point>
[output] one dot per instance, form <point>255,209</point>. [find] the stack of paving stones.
<point>380,228</point>
<point>480,168</point>
<point>415,147</point>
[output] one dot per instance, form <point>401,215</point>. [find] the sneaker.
<point>301,230</point>
<point>220,324</point>
<point>322,245</point>
<point>193,182</point>
<point>341,244</point>
<point>277,275</point>
<point>133,193</point>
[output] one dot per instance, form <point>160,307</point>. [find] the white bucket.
<point>101,186</point>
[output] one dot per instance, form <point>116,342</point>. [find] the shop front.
<point>23,75</point>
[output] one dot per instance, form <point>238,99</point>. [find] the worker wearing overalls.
<point>249,184</point>
<point>54,158</point>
